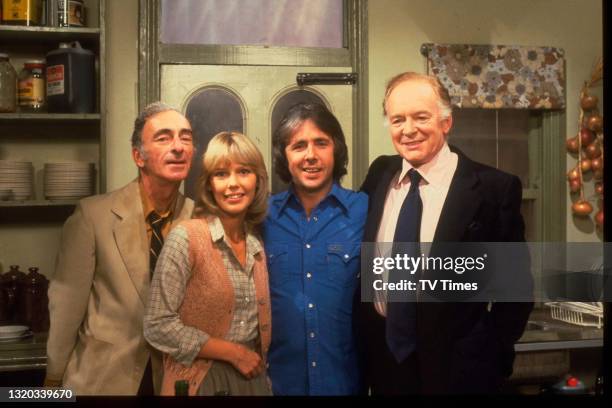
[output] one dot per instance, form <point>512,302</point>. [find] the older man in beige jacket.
<point>109,247</point>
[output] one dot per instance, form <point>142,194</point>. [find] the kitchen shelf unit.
<point>70,137</point>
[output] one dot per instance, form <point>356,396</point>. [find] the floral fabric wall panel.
<point>499,76</point>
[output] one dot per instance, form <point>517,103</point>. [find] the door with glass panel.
<point>247,99</point>
<point>231,65</point>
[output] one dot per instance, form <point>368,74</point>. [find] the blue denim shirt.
<point>313,265</point>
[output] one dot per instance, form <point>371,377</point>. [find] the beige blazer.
<point>98,295</point>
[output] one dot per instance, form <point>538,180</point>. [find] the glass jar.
<point>8,85</point>
<point>22,12</point>
<point>31,87</point>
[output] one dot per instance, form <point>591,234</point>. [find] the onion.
<point>599,188</point>
<point>599,218</point>
<point>586,137</point>
<point>582,208</point>
<point>593,150</point>
<point>598,174</point>
<point>595,123</point>
<point>572,144</point>
<point>585,165</point>
<point>574,186</point>
<point>573,174</point>
<point>597,164</point>
<point>588,102</point>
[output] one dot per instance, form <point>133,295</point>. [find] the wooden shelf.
<point>37,203</point>
<point>52,35</point>
<point>49,117</point>
<point>35,211</point>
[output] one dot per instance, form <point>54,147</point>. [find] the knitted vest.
<point>209,303</point>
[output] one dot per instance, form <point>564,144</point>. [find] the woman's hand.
<point>247,362</point>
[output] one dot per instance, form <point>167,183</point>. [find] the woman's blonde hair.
<point>222,149</point>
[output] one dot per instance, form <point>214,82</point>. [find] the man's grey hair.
<point>139,124</point>
<point>443,100</point>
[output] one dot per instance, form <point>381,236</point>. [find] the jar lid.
<point>35,62</point>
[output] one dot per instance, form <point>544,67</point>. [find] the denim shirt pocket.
<point>343,262</point>
<point>278,263</point>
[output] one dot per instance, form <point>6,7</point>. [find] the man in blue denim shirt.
<point>312,237</point>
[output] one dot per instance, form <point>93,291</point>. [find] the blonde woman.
<point>209,305</point>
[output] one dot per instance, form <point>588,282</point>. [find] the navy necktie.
<point>401,313</point>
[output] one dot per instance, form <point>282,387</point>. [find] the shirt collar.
<point>434,172</point>
<point>147,204</point>
<point>217,233</point>
<point>281,199</point>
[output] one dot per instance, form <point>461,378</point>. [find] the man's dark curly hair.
<point>291,123</point>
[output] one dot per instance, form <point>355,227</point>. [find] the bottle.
<point>181,388</point>
<point>31,86</point>
<point>4,304</point>
<point>599,384</point>
<point>21,12</point>
<point>11,281</point>
<point>71,79</point>
<point>33,308</point>
<point>8,85</point>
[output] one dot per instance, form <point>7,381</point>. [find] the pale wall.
<point>122,86</point>
<point>397,28</point>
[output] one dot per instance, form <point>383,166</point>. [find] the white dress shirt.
<point>436,177</point>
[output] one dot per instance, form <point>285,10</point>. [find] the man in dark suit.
<point>444,347</point>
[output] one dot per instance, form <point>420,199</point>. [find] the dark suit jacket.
<point>461,347</point>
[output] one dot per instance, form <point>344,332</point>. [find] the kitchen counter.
<point>542,333</point>
<point>545,333</point>
<point>29,353</point>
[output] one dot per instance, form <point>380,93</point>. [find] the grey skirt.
<point>223,379</point>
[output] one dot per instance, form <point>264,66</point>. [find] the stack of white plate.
<point>18,177</point>
<point>69,180</point>
<point>10,333</point>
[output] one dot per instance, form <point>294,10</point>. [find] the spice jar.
<point>70,13</point>
<point>33,302</point>
<point>11,283</point>
<point>22,12</point>
<point>31,86</point>
<point>8,85</point>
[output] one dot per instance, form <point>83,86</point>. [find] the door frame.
<point>152,54</point>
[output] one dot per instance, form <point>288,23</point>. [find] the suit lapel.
<point>378,200</point>
<point>461,204</point>
<point>131,237</point>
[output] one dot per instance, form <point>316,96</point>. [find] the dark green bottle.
<point>181,388</point>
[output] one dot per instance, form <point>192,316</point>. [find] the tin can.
<point>70,13</point>
<point>21,12</point>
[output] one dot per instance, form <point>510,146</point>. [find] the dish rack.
<point>578,313</point>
